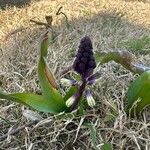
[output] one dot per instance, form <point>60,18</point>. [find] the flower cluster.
<point>84,64</point>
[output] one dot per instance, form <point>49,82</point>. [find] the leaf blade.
<point>139,89</point>
<point>121,57</point>
<point>37,102</point>
<point>47,81</point>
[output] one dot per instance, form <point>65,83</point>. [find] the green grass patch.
<point>139,45</point>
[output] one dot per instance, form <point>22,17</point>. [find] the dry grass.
<point>108,23</point>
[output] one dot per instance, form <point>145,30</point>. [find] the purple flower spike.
<point>84,63</point>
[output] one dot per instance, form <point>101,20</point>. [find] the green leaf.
<point>139,90</point>
<point>106,146</point>
<point>51,100</point>
<point>121,57</point>
<point>99,56</point>
<point>37,102</point>
<point>47,81</point>
<point>70,92</point>
<point>76,76</point>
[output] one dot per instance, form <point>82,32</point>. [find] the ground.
<point>110,24</point>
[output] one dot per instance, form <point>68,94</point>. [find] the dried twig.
<point>65,71</point>
<point>49,20</point>
<point>66,18</point>
<point>48,25</point>
<point>14,32</point>
<point>40,23</point>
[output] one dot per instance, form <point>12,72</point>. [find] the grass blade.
<point>106,146</point>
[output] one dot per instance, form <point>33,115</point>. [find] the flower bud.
<point>70,101</point>
<point>90,99</point>
<point>67,82</point>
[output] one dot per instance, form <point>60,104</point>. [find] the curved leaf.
<point>121,57</point>
<point>99,56</point>
<point>37,102</point>
<point>47,81</point>
<point>139,90</point>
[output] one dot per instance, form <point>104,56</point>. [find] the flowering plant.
<point>84,64</point>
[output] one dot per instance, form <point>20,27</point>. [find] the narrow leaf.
<point>37,102</point>
<point>99,56</point>
<point>43,55</point>
<point>139,90</point>
<point>47,81</point>
<point>121,57</point>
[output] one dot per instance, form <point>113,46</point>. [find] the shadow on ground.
<point>144,1</point>
<point>107,31</point>
<point>17,3</point>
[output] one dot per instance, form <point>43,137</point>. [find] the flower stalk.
<point>84,64</point>
<point>78,96</point>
